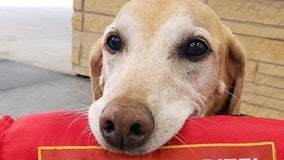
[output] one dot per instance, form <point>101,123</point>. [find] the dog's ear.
<point>96,67</point>
<point>235,72</point>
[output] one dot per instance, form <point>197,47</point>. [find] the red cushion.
<point>210,138</point>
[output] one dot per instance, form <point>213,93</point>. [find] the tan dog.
<point>159,63</point>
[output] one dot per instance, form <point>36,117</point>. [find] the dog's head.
<point>159,63</point>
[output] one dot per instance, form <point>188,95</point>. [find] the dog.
<point>159,63</point>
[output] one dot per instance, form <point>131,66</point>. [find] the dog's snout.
<point>126,124</point>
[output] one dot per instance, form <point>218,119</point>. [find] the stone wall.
<point>89,21</point>
<point>259,24</point>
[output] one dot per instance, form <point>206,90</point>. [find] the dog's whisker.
<point>233,96</point>
<point>82,92</point>
<point>180,138</point>
<point>84,110</point>
<point>76,117</point>
<point>81,116</point>
<point>85,133</point>
<point>95,78</point>
<point>80,108</point>
<point>70,114</point>
<point>72,123</point>
<point>97,87</point>
<point>199,124</point>
<point>90,135</point>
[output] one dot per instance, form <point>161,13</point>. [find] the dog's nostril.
<point>108,127</point>
<point>136,129</point>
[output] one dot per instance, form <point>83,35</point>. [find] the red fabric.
<point>21,138</point>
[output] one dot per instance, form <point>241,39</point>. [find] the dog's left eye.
<point>114,43</point>
<point>196,49</point>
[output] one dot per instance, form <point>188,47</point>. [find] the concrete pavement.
<point>37,36</point>
<point>31,40</point>
<point>27,89</point>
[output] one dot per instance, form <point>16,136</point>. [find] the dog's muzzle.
<point>126,124</point>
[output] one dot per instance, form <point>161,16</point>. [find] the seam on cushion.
<point>5,123</point>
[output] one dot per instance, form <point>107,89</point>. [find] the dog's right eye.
<point>195,50</point>
<point>114,43</point>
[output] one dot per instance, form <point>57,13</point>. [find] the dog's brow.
<point>110,29</point>
<point>183,27</point>
<point>201,32</point>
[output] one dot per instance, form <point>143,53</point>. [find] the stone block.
<point>77,20</point>
<point>84,62</point>
<point>78,5</point>
<point>254,29</point>
<point>85,36</point>
<point>75,56</point>
<point>250,70</point>
<point>262,49</point>
<point>264,90</point>
<point>76,51</point>
<point>86,48</point>
<point>260,11</point>
<point>109,7</point>
<point>80,70</point>
<point>263,101</point>
<point>96,22</point>
<point>271,69</point>
<point>257,111</point>
<point>276,82</point>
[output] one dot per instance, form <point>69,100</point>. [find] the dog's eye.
<point>196,49</point>
<point>114,43</point>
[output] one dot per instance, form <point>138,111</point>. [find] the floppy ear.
<point>96,69</point>
<point>235,71</point>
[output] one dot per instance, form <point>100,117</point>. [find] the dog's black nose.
<point>126,124</point>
